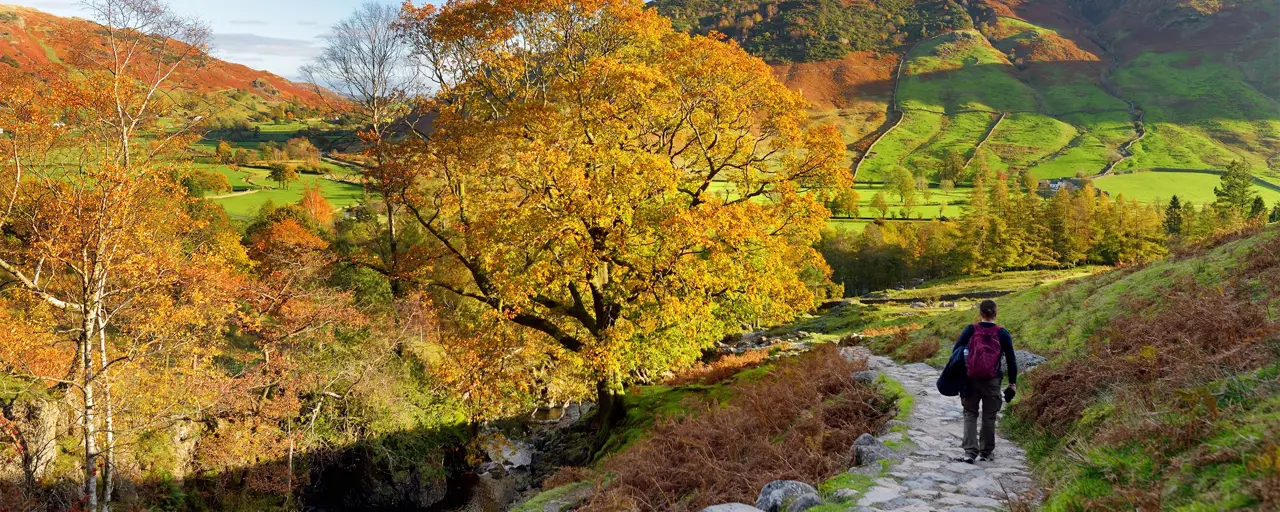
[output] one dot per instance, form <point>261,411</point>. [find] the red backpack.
<point>983,361</point>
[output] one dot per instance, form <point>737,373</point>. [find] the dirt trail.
<point>234,194</point>
<point>1139,117</point>
<point>925,478</point>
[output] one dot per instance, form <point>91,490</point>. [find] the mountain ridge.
<point>28,39</point>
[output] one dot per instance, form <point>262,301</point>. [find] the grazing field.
<point>1006,281</point>
<point>248,202</point>
<point>251,185</point>
<point>1155,186</point>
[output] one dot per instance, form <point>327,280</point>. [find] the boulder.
<point>919,305</point>
<point>1027,359</point>
<point>780,495</point>
<point>851,340</point>
<point>731,507</point>
<point>804,502</point>
<point>752,338</point>
<point>870,450</point>
<point>866,377</point>
<point>511,453</point>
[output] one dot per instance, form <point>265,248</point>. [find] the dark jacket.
<point>1006,347</point>
<point>953,379</point>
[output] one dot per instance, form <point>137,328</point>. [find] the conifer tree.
<point>1235,195</point>
<point>1258,209</point>
<point>1173,217</point>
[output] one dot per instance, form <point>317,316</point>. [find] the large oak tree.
<point>631,192</point>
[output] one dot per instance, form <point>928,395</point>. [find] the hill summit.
<point>30,38</point>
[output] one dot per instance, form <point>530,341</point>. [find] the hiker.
<point>984,342</point>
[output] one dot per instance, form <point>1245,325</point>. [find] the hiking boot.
<point>987,458</point>
<point>966,459</point>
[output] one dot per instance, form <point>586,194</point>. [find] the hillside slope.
<point>30,39</point>
<point>1060,88</point>
<point>1163,387</point>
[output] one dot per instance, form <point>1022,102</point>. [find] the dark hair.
<point>987,308</point>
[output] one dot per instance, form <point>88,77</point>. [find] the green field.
<point>1201,111</point>
<point>339,194</point>
<point>1160,186</point>
<point>252,187</point>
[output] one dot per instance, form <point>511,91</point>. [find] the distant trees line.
<point>1008,226</point>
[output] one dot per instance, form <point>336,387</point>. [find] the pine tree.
<point>1258,209</point>
<point>1236,194</point>
<point>1173,217</point>
<point>1275,214</point>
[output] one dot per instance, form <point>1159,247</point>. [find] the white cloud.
<point>256,45</point>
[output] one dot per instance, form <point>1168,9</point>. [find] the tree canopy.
<point>567,181</point>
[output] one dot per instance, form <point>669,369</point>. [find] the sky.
<point>276,35</point>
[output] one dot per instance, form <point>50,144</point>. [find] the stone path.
<point>925,478</point>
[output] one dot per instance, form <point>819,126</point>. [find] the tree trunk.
<point>610,411</point>
<point>88,416</point>
<point>109,460</point>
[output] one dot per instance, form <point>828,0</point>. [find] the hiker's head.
<point>987,310</point>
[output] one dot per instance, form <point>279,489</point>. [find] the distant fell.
<point>29,39</point>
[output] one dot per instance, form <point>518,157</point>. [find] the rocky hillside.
<point>30,39</point>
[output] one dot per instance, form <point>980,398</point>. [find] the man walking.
<point>984,343</point>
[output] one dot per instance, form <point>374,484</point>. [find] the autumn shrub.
<point>921,349</point>
<point>891,330</point>
<point>1266,465</point>
<point>1191,335</point>
<point>720,369</point>
<point>799,425</point>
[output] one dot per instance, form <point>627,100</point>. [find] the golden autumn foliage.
<point>631,192</point>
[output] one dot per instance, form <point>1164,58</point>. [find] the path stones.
<point>981,487</point>
<point>939,477</point>
<point>877,495</point>
<point>731,507</point>
<point>921,478</point>
<point>929,475</point>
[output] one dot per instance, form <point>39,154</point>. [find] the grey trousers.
<point>986,393</point>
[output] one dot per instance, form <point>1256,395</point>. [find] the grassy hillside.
<point>814,30</point>
<point>1163,387</point>
<point>30,38</point>
<point>1057,88</point>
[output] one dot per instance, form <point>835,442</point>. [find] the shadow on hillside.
<point>406,471</point>
<point>1071,92</point>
